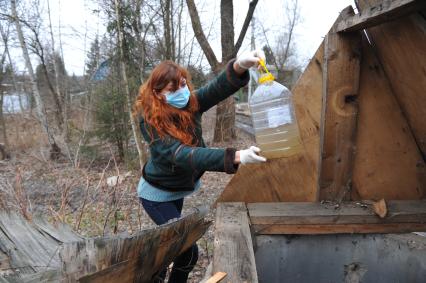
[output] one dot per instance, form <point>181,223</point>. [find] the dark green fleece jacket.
<point>174,166</point>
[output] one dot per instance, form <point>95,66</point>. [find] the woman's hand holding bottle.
<point>249,155</point>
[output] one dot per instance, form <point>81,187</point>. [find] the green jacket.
<point>174,166</point>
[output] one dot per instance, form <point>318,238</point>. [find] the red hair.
<point>166,119</point>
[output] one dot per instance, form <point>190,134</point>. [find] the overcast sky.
<point>79,25</point>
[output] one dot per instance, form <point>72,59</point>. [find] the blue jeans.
<point>160,213</point>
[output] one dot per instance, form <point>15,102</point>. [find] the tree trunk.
<point>59,94</point>
<point>55,151</point>
<point>201,37</point>
<point>3,148</point>
<point>135,128</point>
<point>225,112</point>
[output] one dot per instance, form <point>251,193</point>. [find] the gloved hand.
<point>250,155</point>
<point>250,59</point>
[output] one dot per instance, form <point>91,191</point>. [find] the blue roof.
<point>102,71</point>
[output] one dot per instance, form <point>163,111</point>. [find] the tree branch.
<point>199,34</point>
<point>247,20</point>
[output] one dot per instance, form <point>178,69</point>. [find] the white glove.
<point>250,59</point>
<point>250,155</point>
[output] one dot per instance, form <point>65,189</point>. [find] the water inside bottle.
<point>282,141</point>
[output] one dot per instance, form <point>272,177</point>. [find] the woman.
<point>170,112</point>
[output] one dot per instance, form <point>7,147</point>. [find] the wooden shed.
<point>327,214</point>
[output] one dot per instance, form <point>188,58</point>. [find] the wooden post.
<point>233,246</point>
<point>339,111</point>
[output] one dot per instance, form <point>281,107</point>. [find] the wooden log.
<point>131,259</point>
<point>347,217</point>
<point>385,11</point>
<point>339,112</point>
<point>401,49</point>
<point>233,246</point>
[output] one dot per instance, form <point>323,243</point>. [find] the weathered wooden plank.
<point>293,178</point>
<point>282,229</point>
<point>4,261</point>
<point>233,247</point>
<point>307,99</point>
<point>120,272</point>
<point>401,49</point>
<point>385,11</point>
<point>49,276</point>
<point>282,179</point>
<point>339,112</point>
<point>217,277</point>
<point>26,247</point>
<point>326,213</point>
<point>388,163</point>
<point>29,252</point>
<point>59,231</point>
<point>131,259</point>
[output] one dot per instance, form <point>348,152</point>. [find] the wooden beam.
<point>131,259</point>
<point>384,11</point>
<point>326,218</point>
<point>314,229</point>
<point>341,70</point>
<point>233,246</point>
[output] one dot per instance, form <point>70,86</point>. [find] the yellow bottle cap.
<point>266,76</point>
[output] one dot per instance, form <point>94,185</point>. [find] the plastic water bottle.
<point>273,117</point>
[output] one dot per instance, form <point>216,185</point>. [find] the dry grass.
<point>81,197</point>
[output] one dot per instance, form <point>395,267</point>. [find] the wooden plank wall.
<point>388,163</point>
<point>401,48</point>
<point>378,153</point>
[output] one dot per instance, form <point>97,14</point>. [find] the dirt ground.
<point>79,196</point>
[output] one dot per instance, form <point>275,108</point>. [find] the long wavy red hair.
<point>166,119</point>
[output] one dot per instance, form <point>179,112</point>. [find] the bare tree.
<point>3,148</point>
<point>135,129</point>
<point>225,112</point>
<point>285,40</point>
<point>59,94</point>
<point>55,150</point>
<point>36,46</point>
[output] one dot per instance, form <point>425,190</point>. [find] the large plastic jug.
<point>273,117</point>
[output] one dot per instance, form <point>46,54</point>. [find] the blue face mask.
<point>179,98</point>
